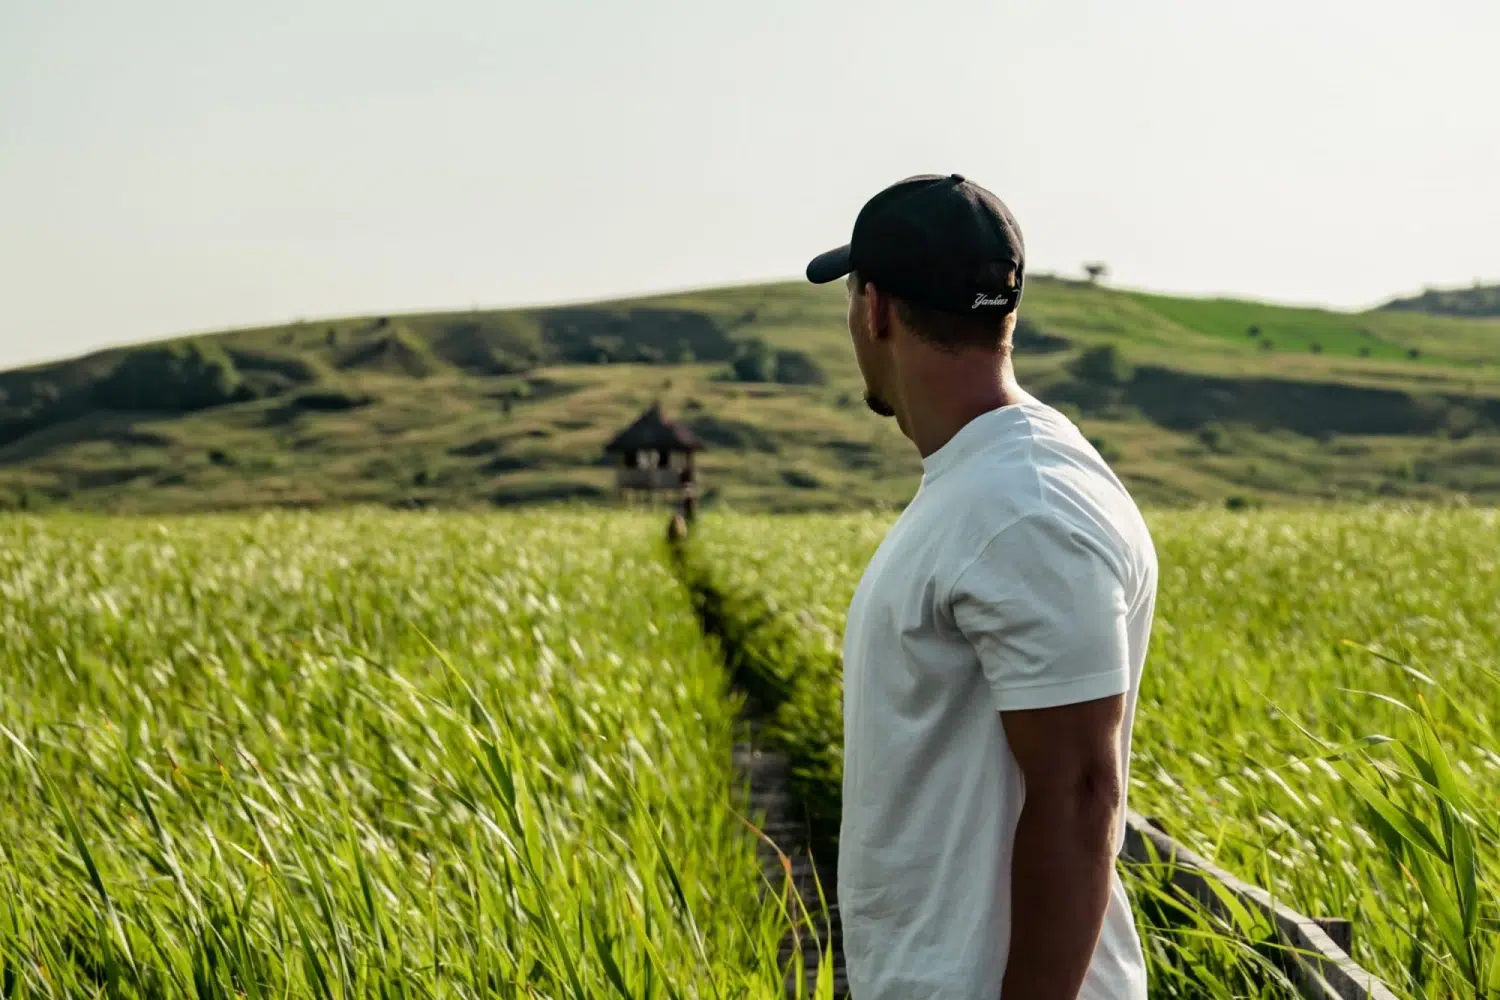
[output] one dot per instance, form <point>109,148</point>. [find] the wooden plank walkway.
<point>1323,969</point>
<point>772,809</point>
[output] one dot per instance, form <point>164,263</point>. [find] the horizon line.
<point>696,289</point>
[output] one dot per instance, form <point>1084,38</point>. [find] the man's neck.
<point>947,400</point>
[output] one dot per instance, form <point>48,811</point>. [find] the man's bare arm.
<point>1064,848</point>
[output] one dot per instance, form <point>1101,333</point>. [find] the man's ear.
<point>878,307</point>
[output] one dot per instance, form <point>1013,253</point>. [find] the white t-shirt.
<point>1020,576</point>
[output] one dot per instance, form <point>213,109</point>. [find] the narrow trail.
<point>778,816</point>
<point>771,802</point>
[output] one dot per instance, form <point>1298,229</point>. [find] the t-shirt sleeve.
<point>1047,615</point>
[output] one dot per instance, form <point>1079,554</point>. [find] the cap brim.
<point>830,266</point>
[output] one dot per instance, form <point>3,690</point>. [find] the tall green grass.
<point>366,755</point>
<point>1283,640</point>
<point>457,756</point>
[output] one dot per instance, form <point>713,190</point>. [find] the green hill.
<point>1193,400</point>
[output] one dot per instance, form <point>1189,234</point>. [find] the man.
<point>994,647</point>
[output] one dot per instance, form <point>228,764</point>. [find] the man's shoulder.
<point>1046,483</point>
<point>1029,516</point>
<point>1016,489</point>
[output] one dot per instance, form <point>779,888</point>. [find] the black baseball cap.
<point>931,239</point>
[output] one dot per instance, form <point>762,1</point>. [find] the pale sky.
<point>168,168</point>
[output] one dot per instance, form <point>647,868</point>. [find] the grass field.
<point>233,766</point>
<point>420,755</point>
<point>1252,682</point>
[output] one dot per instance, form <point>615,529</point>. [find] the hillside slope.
<point>1201,401</point>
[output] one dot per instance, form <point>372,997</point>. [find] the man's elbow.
<point>1098,786</point>
<point>1098,799</point>
<point>1085,807</point>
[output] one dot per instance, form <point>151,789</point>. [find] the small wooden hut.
<point>655,457</point>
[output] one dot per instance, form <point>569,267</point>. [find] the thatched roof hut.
<point>656,454</point>
<point>652,432</point>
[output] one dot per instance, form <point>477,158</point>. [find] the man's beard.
<point>878,405</point>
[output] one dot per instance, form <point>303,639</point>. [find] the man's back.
<point>1021,576</point>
